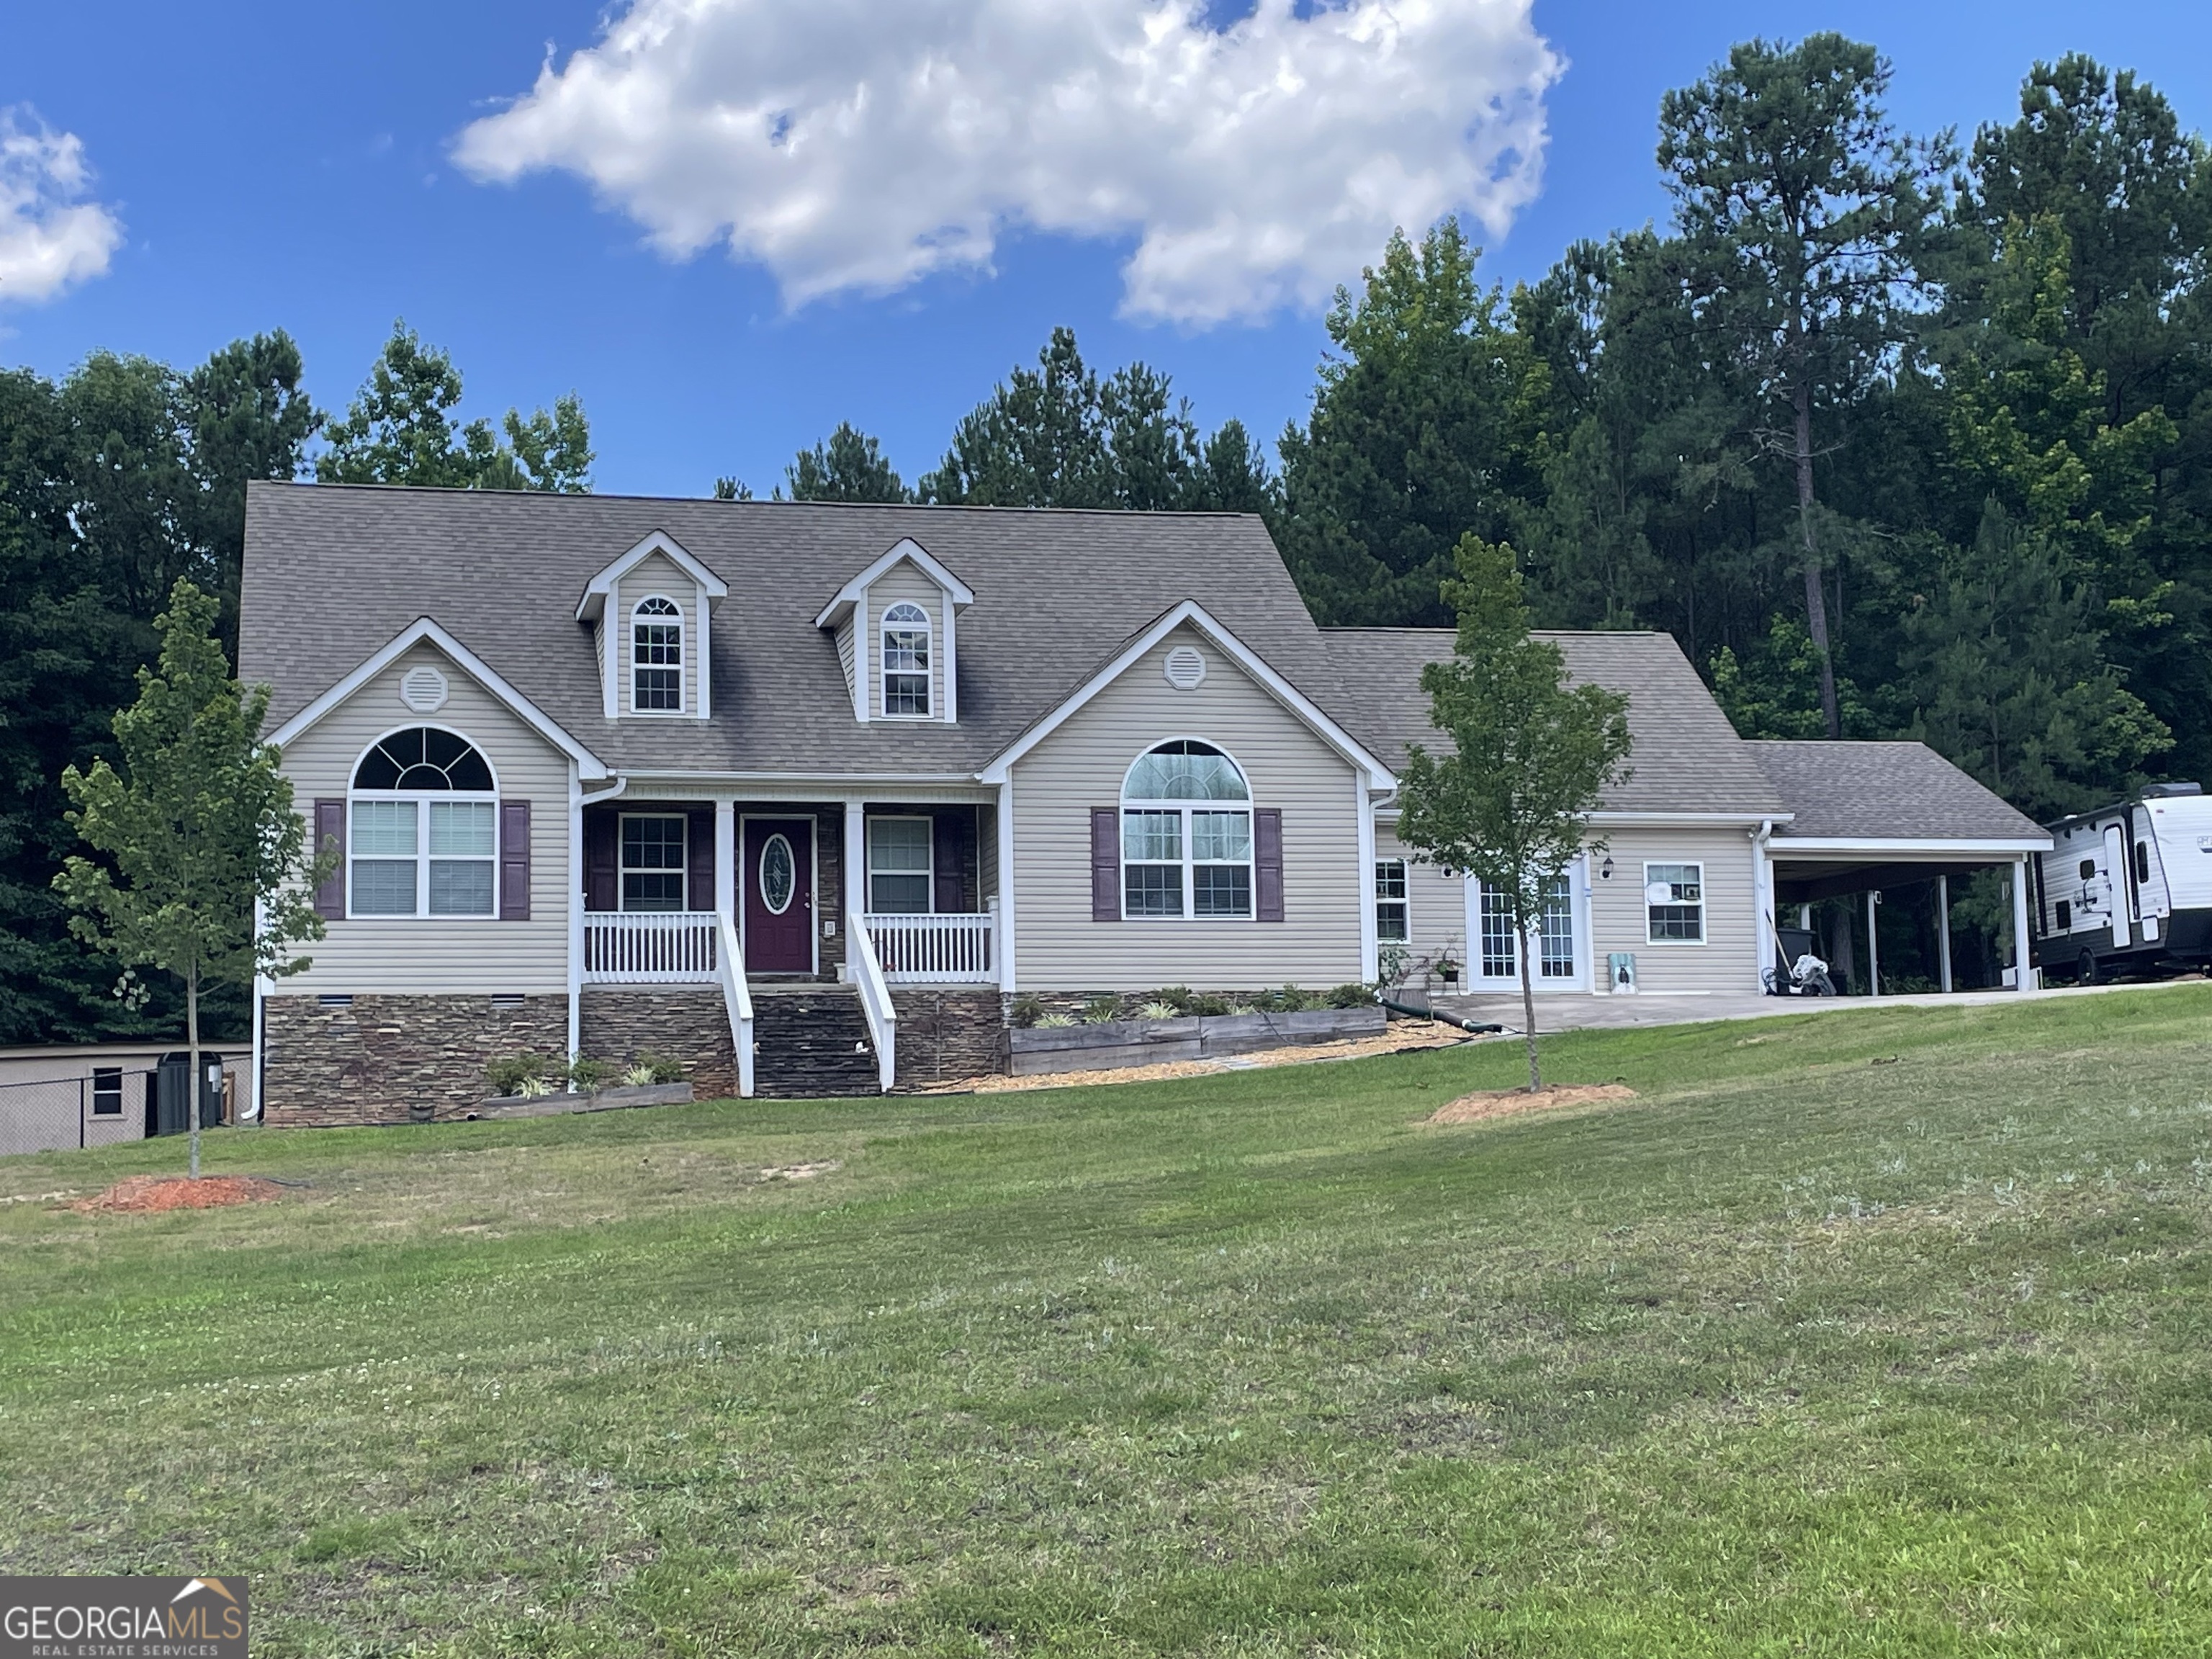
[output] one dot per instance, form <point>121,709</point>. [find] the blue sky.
<point>295,167</point>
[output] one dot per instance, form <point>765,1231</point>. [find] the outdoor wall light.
<point>1605,870</point>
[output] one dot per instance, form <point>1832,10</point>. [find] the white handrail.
<point>730,969</point>
<point>649,947</point>
<point>867,975</point>
<point>935,948</point>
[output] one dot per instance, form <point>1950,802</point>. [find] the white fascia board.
<point>1379,777</point>
<point>595,591</point>
<point>853,592</point>
<point>588,765</point>
<point>1784,846</point>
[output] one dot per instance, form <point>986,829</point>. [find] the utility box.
<point>173,1091</point>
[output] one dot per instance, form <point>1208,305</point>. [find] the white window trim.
<point>623,869</point>
<point>884,669</point>
<point>674,616</point>
<point>422,829</point>
<point>1704,929</point>
<point>1375,901</point>
<point>868,871</point>
<point>1249,806</point>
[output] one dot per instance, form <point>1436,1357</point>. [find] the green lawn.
<point>1866,1333</point>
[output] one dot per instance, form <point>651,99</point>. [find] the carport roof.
<point>1883,792</point>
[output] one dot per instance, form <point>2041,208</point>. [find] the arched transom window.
<point>656,656</point>
<point>1186,834</point>
<point>905,660</point>
<point>423,838</point>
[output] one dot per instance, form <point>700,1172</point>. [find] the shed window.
<point>107,1092</point>
<point>1182,853</point>
<point>905,660</point>
<point>656,671</point>
<point>652,867</point>
<point>1675,903</point>
<point>899,861</point>
<point>424,832</point>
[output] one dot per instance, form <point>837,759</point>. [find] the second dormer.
<point>649,613</point>
<point>897,624</point>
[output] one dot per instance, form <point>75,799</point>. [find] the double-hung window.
<point>905,660</point>
<point>1675,903</point>
<point>652,863</point>
<point>107,1092</point>
<point>1186,835</point>
<point>899,855</point>
<point>1392,924</point>
<point>656,652</point>
<point>423,839</point>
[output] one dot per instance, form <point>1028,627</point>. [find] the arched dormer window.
<point>905,660</point>
<point>1186,834</point>
<point>423,838</point>
<point>656,656</point>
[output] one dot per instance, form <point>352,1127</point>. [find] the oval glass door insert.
<point>777,870</point>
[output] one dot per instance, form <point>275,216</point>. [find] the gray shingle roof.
<point>1883,791</point>
<point>334,572</point>
<point>1686,758</point>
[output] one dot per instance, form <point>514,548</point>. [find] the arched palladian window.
<point>1186,834</point>
<point>656,656</point>
<point>423,839</point>
<point>906,660</point>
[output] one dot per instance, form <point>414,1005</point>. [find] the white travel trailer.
<point>2127,888</point>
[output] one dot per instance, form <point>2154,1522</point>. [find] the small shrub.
<point>1053,1022</point>
<point>1350,996</point>
<point>1290,1000</point>
<point>535,1088</point>
<point>590,1076</point>
<point>507,1075</point>
<point>661,1068</point>
<point>1208,1004</point>
<point>1102,1010</point>
<point>1159,1009</point>
<point>1028,1008</point>
<point>1177,997</point>
<point>1243,1008</point>
<point>638,1077</point>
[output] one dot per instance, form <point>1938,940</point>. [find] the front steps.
<point>810,1042</point>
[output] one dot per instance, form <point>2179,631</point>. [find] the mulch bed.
<point>1511,1103</point>
<point>156,1192</point>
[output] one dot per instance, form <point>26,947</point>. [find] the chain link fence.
<point>112,1104</point>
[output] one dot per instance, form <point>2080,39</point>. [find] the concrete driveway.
<point>1563,1013</point>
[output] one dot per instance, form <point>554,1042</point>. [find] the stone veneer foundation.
<point>688,1024</point>
<point>375,1058</point>
<point>949,1033</point>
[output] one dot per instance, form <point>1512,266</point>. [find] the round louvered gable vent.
<point>1186,668</point>
<point>423,690</point>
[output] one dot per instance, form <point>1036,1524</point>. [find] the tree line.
<point>1897,436</point>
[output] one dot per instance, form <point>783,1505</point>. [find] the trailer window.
<point>2142,860</point>
<point>2065,915</point>
<point>2088,868</point>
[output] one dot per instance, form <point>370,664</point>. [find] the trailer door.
<point>2117,873</point>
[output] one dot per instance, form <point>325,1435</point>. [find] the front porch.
<point>678,947</point>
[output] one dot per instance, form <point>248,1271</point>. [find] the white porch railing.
<point>936,950</point>
<point>650,947</point>
<point>867,976</point>
<point>737,998</point>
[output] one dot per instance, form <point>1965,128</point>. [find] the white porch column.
<point>726,860</point>
<point>2022,974</point>
<point>856,875</point>
<point>1762,926</point>
<point>1943,929</point>
<point>1873,949</point>
<point>1006,941</point>
<point>575,896</point>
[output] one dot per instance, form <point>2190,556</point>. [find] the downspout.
<point>1762,896</point>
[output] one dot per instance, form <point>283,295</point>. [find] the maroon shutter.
<point>330,836</point>
<point>948,840</point>
<point>1105,863</point>
<point>514,860</point>
<point>1268,864</point>
<point>702,860</point>
<point>602,861</point>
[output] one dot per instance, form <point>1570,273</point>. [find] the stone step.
<point>813,1043</point>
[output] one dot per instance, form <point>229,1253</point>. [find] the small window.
<point>1392,925</point>
<point>899,854</point>
<point>653,861</point>
<point>2088,869</point>
<point>2142,860</point>
<point>656,635</point>
<point>905,661</point>
<point>107,1092</point>
<point>2065,915</point>
<point>1179,859</point>
<point>1675,903</point>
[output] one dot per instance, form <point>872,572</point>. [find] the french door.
<point>1558,946</point>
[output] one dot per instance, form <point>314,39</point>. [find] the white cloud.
<point>49,238</point>
<point>860,144</point>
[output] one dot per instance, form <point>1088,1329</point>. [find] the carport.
<point>1870,818</point>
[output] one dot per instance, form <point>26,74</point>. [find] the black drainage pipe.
<point>1480,1027</point>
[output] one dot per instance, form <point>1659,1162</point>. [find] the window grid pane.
<point>654,844</point>
<point>383,829</point>
<point>1390,924</point>
<point>1500,959</point>
<point>1555,932</point>
<point>1680,917</point>
<point>460,887</point>
<point>898,895</point>
<point>906,694</point>
<point>1221,890</point>
<point>1151,838</point>
<point>1221,837</point>
<point>384,887</point>
<point>462,829</point>
<point>1152,889</point>
<point>899,845</point>
<point>652,890</point>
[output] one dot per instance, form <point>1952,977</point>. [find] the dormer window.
<point>657,656</point>
<point>905,661</point>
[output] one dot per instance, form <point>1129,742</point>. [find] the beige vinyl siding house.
<point>431,955</point>
<point>1436,908</point>
<point>1081,766</point>
<point>1727,959</point>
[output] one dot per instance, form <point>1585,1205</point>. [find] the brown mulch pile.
<point>1511,1103</point>
<point>144,1192</point>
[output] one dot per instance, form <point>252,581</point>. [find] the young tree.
<point>1511,805</point>
<point>197,829</point>
<point>849,466</point>
<point>1812,222</point>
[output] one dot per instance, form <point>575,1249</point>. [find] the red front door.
<point>776,878</point>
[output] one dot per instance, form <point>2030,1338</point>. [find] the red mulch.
<point>175,1192</point>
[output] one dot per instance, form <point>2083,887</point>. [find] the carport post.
<point>1873,949</point>
<point>2019,970</point>
<point>1943,929</point>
